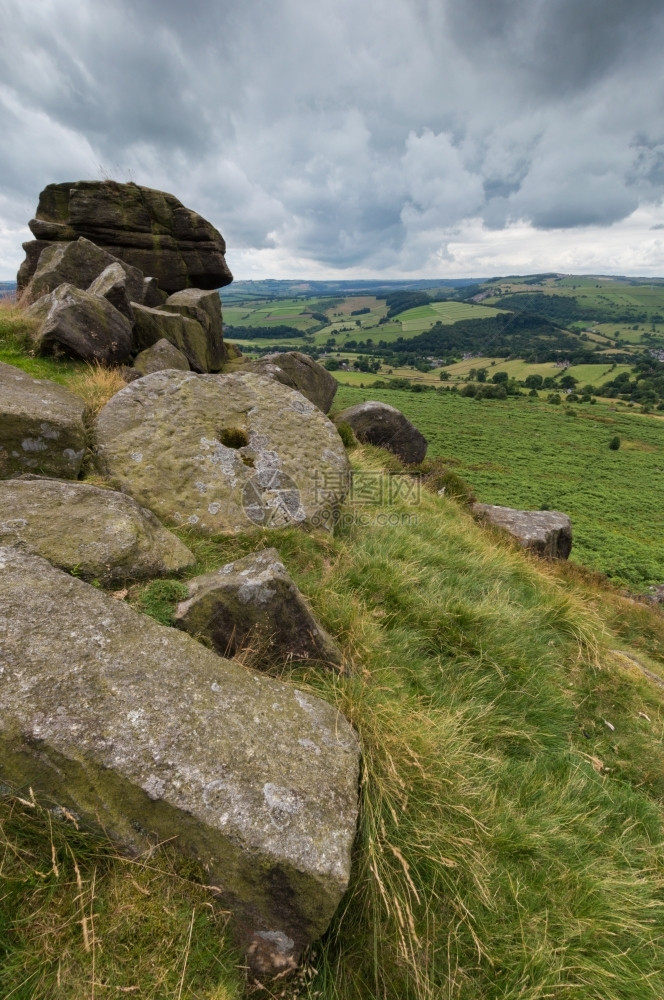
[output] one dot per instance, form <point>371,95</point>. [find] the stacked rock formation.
<point>103,711</point>
<point>117,268</point>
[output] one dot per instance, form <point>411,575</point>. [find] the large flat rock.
<point>148,229</point>
<point>547,533</point>
<point>223,453</point>
<point>97,534</point>
<point>41,426</point>
<point>140,729</point>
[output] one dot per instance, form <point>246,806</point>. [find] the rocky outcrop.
<point>153,325</point>
<point>139,729</point>
<point>299,371</point>
<point>150,230</point>
<point>222,453</point>
<point>41,426</point>
<point>254,603</point>
<point>545,532</point>
<point>97,534</point>
<point>159,358</point>
<point>78,263</point>
<point>205,308</point>
<point>81,325</point>
<point>383,425</point>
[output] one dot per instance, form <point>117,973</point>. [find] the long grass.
<point>509,845</point>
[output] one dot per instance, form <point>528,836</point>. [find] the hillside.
<point>598,324</point>
<point>530,454</point>
<point>510,843</point>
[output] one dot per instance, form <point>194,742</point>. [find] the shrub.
<point>614,443</point>
<point>554,397</point>
<point>346,434</point>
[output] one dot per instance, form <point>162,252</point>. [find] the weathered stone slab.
<point>98,534</point>
<point>222,452</point>
<point>81,325</point>
<point>185,333</point>
<point>205,308</point>
<point>299,371</point>
<point>139,728</point>
<point>254,602</point>
<point>41,426</point>
<point>383,425</point>
<point>545,532</point>
<point>159,358</point>
<point>148,229</point>
<point>77,263</point>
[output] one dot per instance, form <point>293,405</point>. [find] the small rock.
<point>546,532</point>
<point>153,296</point>
<point>112,286</point>
<point>204,307</point>
<point>299,371</point>
<point>41,426</point>
<point>160,357</point>
<point>254,603</point>
<point>383,425</point>
<point>153,325</point>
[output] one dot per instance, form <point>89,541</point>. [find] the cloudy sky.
<point>353,138</point>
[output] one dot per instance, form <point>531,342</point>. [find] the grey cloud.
<point>350,134</point>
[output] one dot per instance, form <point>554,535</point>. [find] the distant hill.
<point>292,289</point>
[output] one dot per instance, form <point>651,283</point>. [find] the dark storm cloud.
<point>350,134</point>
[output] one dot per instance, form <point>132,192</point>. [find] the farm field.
<point>342,323</point>
<point>595,375</point>
<point>529,454</point>
<point>422,318</point>
<point>586,374</point>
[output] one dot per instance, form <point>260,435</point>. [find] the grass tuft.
<point>95,384</point>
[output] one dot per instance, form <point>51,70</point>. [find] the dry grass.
<point>95,385</point>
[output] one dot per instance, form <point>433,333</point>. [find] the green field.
<point>586,374</point>
<point>415,321</point>
<point>529,454</point>
<point>595,375</point>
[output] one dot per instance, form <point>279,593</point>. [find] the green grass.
<point>510,842</point>
<point>15,331</point>
<point>527,454</point>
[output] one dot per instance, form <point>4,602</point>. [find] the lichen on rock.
<point>161,441</point>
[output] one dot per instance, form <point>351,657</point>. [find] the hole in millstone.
<point>233,437</point>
